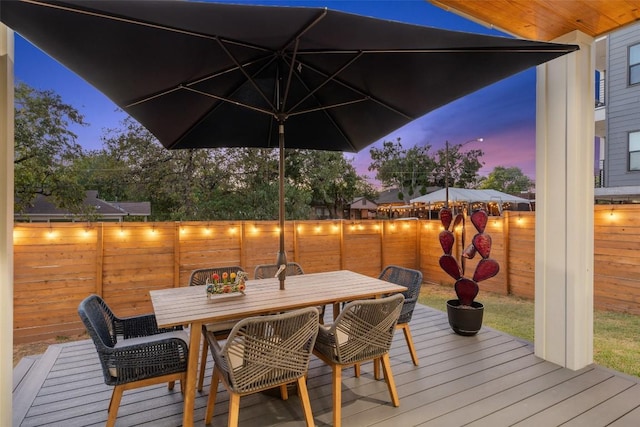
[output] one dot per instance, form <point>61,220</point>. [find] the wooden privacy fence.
<point>56,265</point>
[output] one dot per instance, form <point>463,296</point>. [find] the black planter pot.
<point>465,320</point>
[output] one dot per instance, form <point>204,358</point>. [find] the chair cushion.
<point>340,336</point>
<point>221,326</point>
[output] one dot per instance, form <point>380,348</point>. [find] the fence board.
<point>57,265</point>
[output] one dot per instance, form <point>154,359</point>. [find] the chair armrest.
<point>406,313</point>
<point>217,353</point>
<point>140,326</point>
<point>144,357</point>
<point>326,341</point>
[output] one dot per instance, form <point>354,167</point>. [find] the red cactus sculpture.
<point>466,289</point>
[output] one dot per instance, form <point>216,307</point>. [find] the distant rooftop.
<point>43,209</point>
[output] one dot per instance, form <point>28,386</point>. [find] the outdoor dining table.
<point>190,306</point>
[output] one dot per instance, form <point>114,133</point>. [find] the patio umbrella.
<point>201,75</point>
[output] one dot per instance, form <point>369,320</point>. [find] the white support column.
<point>564,206</point>
<point>6,224</point>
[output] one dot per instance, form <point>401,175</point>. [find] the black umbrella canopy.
<point>219,75</point>
<point>203,75</point>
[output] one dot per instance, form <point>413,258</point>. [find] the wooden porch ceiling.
<point>546,20</point>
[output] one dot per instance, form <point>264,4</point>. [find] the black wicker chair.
<point>263,271</point>
<point>261,353</point>
<point>199,277</point>
<point>412,279</point>
<point>133,351</point>
<point>363,331</point>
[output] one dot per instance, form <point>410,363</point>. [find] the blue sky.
<point>502,114</point>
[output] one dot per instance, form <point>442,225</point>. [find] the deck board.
<point>491,379</point>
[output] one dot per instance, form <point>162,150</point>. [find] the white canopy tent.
<point>464,196</point>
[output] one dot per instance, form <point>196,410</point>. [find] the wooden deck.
<point>491,379</point>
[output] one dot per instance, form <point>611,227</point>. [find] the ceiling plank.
<point>547,20</point>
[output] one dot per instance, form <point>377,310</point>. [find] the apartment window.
<point>634,151</point>
<point>634,64</point>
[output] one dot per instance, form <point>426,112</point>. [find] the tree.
<point>45,149</point>
<point>216,184</point>
<point>329,177</point>
<point>463,167</point>
<point>256,172</point>
<point>508,180</point>
<point>409,170</point>
<point>178,183</point>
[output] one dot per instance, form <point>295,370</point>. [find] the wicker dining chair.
<point>263,271</point>
<point>221,330</point>
<point>261,353</point>
<point>133,351</point>
<point>363,331</point>
<point>412,279</point>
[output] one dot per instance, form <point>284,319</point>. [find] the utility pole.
<point>447,166</point>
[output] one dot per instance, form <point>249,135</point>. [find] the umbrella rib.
<point>296,40</point>
<point>192,83</point>
<point>117,18</point>
<point>361,93</point>
<point>247,76</point>
<point>310,25</point>
<point>327,107</point>
<point>290,75</point>
<point>141,23</point>
<point>327,80</point>
<point>559,48</point>
<point>231,101</point>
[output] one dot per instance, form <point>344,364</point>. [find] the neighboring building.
<point>44,210</point>
<point>362,208</point>
<point>617,116</point>
<point>390,205</point>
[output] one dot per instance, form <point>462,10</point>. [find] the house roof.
<point>618,194</point>
<point>42,206</point>
<point>363,203</point>
<point>134,208</point>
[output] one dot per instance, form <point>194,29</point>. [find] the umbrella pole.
<point>282,255</point>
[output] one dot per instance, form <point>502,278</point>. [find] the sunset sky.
<point>502,114</point>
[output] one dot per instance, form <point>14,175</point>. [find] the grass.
<point>616,335</point>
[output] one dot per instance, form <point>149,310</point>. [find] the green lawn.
<point>616,335</point>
